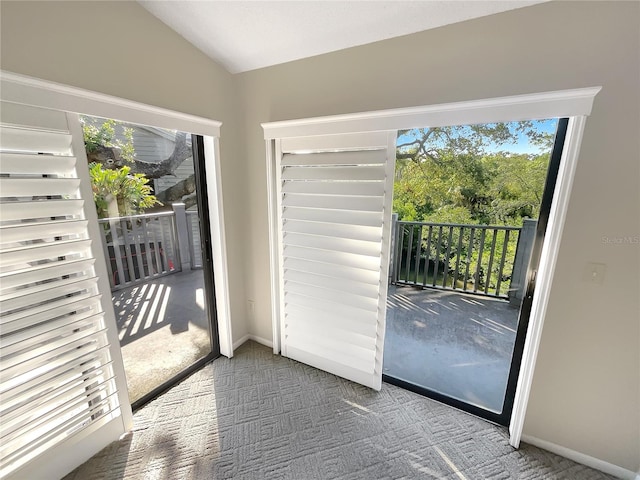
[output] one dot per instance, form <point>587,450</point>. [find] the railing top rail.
<point>135,217</point>
<point>458,225</point>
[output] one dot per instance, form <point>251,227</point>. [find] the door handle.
<point>531,286</point>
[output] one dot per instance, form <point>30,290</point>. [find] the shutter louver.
<point>334,208</point>
<point>56,371</point>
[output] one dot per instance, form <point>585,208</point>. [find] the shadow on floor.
<point>175,300</point>
<point>163,328</point>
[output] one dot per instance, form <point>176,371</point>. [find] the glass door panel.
<point>147,194</point>
<point>472,204</point>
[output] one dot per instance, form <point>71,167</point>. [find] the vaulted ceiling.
<point>246,35</point>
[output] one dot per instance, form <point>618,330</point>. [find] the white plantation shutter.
<point>59,396</point>
<point>334,214</point>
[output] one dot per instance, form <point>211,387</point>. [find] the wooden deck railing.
<point>143,247</point>
<point>477,259</point>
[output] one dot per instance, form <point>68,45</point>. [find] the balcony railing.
<point>480,259</point>
<point>193,235</point>
<point>143,247</point>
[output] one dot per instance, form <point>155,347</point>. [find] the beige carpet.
<point>261,416</point>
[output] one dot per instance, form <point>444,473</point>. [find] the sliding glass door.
<point>471,205</point>
<point>151,202</point>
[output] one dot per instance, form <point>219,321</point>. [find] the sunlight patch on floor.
<point>452,465</point>
<point>358,406</point>
<point>471,301</point>
<point>139,319</point>
<point>163,306</point>
<point>154,307</point>
<point>200,298</point>
<point>499,325</point>
<point>423,469</point>
<point>484,325</point>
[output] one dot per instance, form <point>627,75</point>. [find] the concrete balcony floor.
<point>456,344</point>
<point>163,328</point>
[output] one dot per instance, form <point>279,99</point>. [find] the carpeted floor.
<point>261,416</point>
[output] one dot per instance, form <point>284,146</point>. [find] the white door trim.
<point>575,104</point>
<point>218,243</point>
<point>546,268</point>
<point>26,90</point>
<point>43,93</point>
<point>562,103</point>
<point>274,243</point>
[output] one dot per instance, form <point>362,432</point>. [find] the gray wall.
<point>97,45</point>
<point>586,388</point>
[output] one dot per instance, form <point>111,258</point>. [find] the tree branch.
<point>110,157</point>
<point>408,143</point>
<point>177,191</point>
<point>190,201</point>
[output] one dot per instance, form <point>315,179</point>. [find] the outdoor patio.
<point>456,344</point>
<point>163,328</point>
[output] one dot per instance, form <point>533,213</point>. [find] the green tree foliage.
<point>454,174</point>
<point>516,187</point>
<point>103,135</point>
<point>131,193</point>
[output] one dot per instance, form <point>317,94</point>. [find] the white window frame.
<point>576,104</point>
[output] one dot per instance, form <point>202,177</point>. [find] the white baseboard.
<point>582,458</point>
<point>255,338</point>
<point>260,340</point>
<point>240,341</point>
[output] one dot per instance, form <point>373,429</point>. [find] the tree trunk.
<point>111,158</point>
<point>177,191</point>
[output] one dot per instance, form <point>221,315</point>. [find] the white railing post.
<point>195,247</point>
<point>392,256</point>
<point>182,237</point>
<point>521,261</point>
